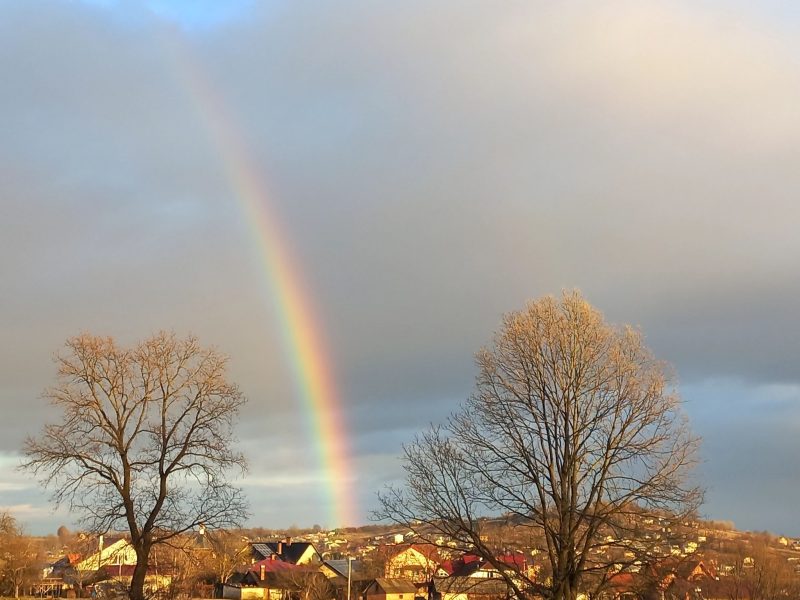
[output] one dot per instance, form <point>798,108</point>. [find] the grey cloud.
<point>433,167</point>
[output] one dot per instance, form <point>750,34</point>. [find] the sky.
<point>430,166</point>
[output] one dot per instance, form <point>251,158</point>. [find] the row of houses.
<point>410,572</point>
<point>108,569</point>
<point>294,570</point>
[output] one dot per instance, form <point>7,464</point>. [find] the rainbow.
<point>302,335</point>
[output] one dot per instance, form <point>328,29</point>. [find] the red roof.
<point>469,563</point>
<point>621,580</point>
<point>274,566</point>
<point>458,564</point>
<point>516,560</point>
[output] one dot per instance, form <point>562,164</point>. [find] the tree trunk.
<point>139,572</point>
<point>567,589</point>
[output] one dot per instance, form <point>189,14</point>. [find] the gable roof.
<point>286,551</point>
<point>112,552</point>
<point>464,565</point>
<point>274,572</point>
<point>260,550</point>
<point>515,560</point>
<point>395,586</point>
<point>340,567</point>
<point>274,566</point>
<point>429,551</point>
<point>469,563</point>
<point>687,569</point>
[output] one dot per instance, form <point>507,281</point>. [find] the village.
<point>713,561</point>
<point>501,295</point>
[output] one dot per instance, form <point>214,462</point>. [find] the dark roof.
<point>199,541</point>
<point>285,551</point>
<point>261,550</point>
<point>340,566</point>
<point>395,586</point>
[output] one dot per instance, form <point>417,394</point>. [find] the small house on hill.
<point>668,579</point>
<point>271,579</point>
<point>114,551</point>
<point>338,571</point>
<point>118,577</point>
<point>417,562</point>
<point>460,587</point>
<point>390,589</point>
<point>471,565</point>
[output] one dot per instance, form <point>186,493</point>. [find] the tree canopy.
<point>575,433</point>
<point>143,441</point>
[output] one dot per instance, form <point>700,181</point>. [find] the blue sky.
<point>192,15</point>
<point>433,166</point>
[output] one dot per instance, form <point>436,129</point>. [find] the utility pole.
<point>349,574</point>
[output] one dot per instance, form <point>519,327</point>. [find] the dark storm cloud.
<point>433,165</point>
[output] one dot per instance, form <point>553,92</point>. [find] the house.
<point>672,578</point>
<point>338,571</point>
<point>464,566</point>
<point>118,577</point>
<point>461,587</point>
<point>471,565</point>
<point>115,551</point>
<point>270,579</point>
<point>627,586</point>
<point>682,578</point>
<point>296,553</point>
<point>417,562</point>
<point>390,589</point>
<point>110,568</point>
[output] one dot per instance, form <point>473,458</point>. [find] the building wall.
<point>407,596</point>
<point>409,563</point>
<point>232,592</point>
<point>118,553</point>
<point>308,556</point>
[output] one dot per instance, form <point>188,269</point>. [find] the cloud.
<point>432,166</point>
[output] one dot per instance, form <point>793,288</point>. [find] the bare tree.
<point>766,575</point>
<point>228,551</point>
<point>18,556</point>
<point>305,583</point>
<point>144,440</point>
<point>574,432</point>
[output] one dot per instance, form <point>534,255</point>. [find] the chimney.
<point>262,572</point>
<point>280,547</point>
